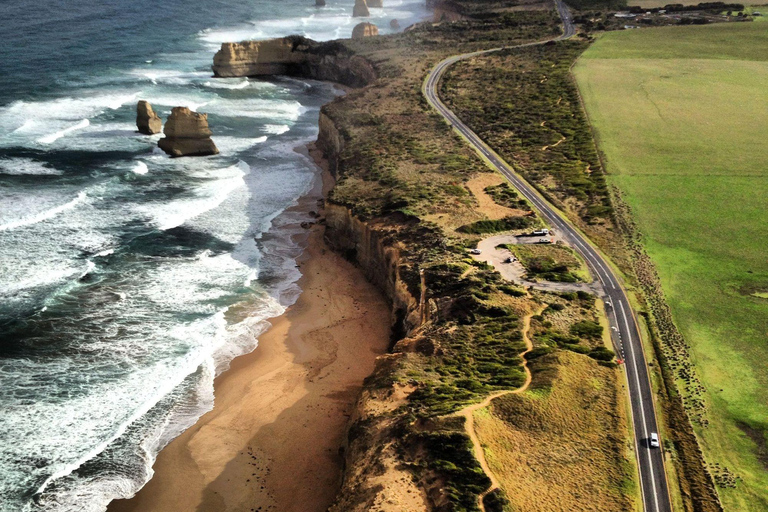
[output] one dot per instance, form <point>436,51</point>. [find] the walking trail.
<point>468,412</point>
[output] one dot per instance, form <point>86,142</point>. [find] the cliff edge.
<point>294,56</point>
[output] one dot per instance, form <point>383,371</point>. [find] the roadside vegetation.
<point>550,262</point>
<point>405,173</point>
<point>693,178</point>
<point>540,465</point>
<point>525,104</point>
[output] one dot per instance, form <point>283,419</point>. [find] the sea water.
<point>129,280</point>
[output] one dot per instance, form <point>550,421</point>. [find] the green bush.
<point>493,226</point>
<point>587,329</point>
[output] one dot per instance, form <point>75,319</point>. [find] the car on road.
<point>654,440</point>
<point>475,251</point>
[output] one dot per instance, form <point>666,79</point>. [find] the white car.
<point>475,251</point>
<point>654,440</point>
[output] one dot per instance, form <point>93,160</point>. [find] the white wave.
<point>140,168</point>
<point>225,83</point>
<point>277,110</point>
<point>26,166</point>
<point>52,137</point>
<point>276,129</point>
<point>231,145</point>
<point>43,216</point>
<point>207,197</point>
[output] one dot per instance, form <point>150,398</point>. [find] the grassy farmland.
<point>681,115</point>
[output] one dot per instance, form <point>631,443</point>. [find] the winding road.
<point>626,337</point>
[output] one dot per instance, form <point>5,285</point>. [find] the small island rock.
<point>187,134</point>
<point>364,29</point>
<point>378,4</point>
<point>361,9</point>
<point>147,121</point>
<point>319,3</point>
<point>394,25</point>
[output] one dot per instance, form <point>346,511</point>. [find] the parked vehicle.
<point>475,251</point>
<point>540,232</point>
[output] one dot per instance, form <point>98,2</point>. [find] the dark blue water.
<point>128,280</point>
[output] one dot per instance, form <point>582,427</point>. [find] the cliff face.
<point>294,56</point>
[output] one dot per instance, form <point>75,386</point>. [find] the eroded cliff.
<point>294,56</point>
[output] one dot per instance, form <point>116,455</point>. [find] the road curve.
<point>625,331</point>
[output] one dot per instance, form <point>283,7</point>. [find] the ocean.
<point>129,280</point>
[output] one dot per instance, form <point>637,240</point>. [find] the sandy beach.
<point>272,441</point>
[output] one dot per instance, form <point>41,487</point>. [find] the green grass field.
<point>681,114</point>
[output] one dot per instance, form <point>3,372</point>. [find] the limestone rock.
<point>254,58</point>
<point>361,9</point>
<point>319,3</point>
<point>364,29</point>
<point>394,25</point>
<point>187,134</point>
<point>147,121</point>
<point>378,4</point>
<point>294,56</point>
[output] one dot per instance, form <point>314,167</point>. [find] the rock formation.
<point>360,10</point>
<point>187,134</point>
<point>319,3</point>
<point>147,121</point>
<point>294,56</point>
<point>394,25</point>
<point>378,4</point>
<point>364,29</point>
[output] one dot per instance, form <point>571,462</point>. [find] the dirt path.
<point>469,411</point>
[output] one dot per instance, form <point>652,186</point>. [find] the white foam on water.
<point>271,109</point>
<point>52,137</point>
<point>26,166</point>
<point>206,197</point>
<point>276,129</point>
<point>229,84</point>
<point>140,168</point>
<point>46,215</point>
<point>232,145</point>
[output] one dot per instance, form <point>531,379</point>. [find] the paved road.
<point>627,340</point>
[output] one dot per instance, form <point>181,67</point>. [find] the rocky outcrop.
<point>377,4</point>
<point>147,121</point>
<point>319,3</point>
<point>363,30</point>
<point>294,56</point>
<point>394,25</point>
<point>187,134</point>
<point>360,10</point>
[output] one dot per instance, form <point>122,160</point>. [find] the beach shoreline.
<point>274,438</point>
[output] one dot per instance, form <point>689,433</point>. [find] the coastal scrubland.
<point>679,115</point>
<point>528,444</point>
<point>411,197</point>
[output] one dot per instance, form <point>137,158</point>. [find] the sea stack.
<point>187,134</point>
<point>361,9</point>
<point>364,29</point>
<point>147,121</point>
<point>319,3</point>
<point>394,25</point>
<point>378,4</point>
